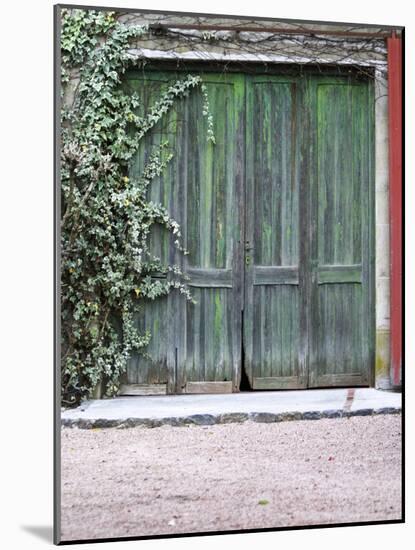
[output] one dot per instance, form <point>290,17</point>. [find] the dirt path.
<point>141,481</point>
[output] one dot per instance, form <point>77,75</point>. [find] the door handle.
<point>248,247</point>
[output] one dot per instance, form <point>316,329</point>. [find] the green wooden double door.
<point>277,218</point>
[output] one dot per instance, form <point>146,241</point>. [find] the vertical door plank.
<point>342,340</point>
<point>213,232</point>
<point>271,323</point>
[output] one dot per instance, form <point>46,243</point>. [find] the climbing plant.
<point>106,261</point>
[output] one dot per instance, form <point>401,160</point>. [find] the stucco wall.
<point>382,250</point>
<point>268,45</point>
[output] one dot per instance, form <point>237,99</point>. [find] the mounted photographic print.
<point>228,274</point>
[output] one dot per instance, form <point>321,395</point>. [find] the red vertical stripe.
<point>395,197</point>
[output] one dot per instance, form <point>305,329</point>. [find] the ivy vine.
<point>106,262</point>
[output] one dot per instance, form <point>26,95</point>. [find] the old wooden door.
<point>277,219</point>
<point>273,321</point>
<point>340,257</point>
<point>196,347</point>
<point>308,312</point>
<point>209,344</point>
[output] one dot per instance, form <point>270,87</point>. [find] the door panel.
<point>209,336</point>
<point>212,349</point>
<point>342,336</point>
<point>272,285</point>
<point>152,368</point>
<point>275,337</point>
<point>195,346</point>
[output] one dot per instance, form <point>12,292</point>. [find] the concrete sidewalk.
<point>269,406</point>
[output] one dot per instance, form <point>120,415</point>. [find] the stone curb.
<point>226,418</point>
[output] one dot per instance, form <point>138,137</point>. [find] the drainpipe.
<point>394,45</point>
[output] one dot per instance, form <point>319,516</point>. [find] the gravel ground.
<point>141,481</point>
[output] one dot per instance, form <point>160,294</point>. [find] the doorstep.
<point>259,406</point>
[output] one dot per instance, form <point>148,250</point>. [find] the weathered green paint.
<point>152,368</point>
<point>277,220</point>
<point>342,343</point>
<point>212,219</point>
<point>203,342</point>
<point>271,312</point>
